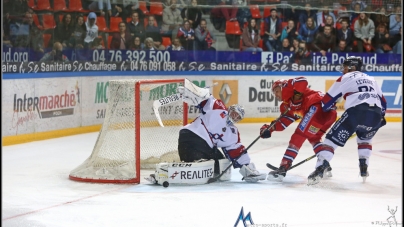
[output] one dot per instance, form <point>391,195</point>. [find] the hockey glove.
<point>265,132</point>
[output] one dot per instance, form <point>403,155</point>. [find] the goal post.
<point>131,138</point>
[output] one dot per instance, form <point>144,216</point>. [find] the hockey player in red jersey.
<point>305,104</point>
<point>365,108</point>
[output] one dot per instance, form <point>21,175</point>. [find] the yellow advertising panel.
<point>227,91</point>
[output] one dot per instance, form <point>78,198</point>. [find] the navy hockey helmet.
<point>235,114</point>
<point>353,61</point>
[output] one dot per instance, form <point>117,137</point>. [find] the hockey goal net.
<point>130,137</point>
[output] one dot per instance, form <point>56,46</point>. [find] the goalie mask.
<point>235,114</point>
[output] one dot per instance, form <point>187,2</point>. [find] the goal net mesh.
<point>114,155</point>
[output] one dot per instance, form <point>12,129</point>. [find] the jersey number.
<point>365,88</point>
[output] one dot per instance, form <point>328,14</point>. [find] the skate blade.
<point>276,179</point>
<point>364,179</point>
<point>328,174</point>
<point>313,181</point>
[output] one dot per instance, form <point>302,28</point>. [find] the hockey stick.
<point>168,100</point>
<point>307,159</point>
<point>214,179</point>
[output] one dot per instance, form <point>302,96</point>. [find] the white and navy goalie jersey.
<point>356,88</point>
<point>211,126</point>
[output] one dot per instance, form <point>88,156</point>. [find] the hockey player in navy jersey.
<point>214,128</point>
<point>365,107</point>
<point>302,103</point>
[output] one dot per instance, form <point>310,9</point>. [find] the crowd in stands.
<point>175,25</point>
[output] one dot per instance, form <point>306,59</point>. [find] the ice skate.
<point>363,168</point>
<point>277,175</point>
<point>319,173</point>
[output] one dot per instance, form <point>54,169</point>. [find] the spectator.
<point>362,5</point>
<point>187,36</point>
<point>222,13</point>
<point>55,54</point>
<point>97,44</point>
<point>289,32</point>
<point>176,45</point>
<point>118,9</point>
<point>136,43</point>
<point>121,40</point>
<point>204,39</point>
<point>29,35</point>
<point>302,55</point>
<point>79,33</point>
<point>103,7</point>
<point>364,32</point>
<point>325,41</point>
<point>171,19</point>
<point>152,31</point>
<point>395,42</point>
<point>16,8</point>
<point>273,29</point>
<point>380,18</point>
<point>345,33</point>
<point>286,47</point>
<point>295,44</point>
<point>342,47</point>
<point>64,30</point>
<point>251,37</point>
<point>136,27</point>
<point>6,41</point>
<point>395,21</point>
<point>307,32</point>
<point>243,14</point>
<point>355,15</point>
<point>323,15</point>
<point>149,44</point>
<point>192,13</point>
<point>91,30</point>
<point>133,7</point>
<point>306,14</point>
<point>381,40</point>
<point>330,22</point>
<point>377,5</point>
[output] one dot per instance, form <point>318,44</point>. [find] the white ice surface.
<point>36,190</point>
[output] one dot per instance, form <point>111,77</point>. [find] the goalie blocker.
<point>188,172</point>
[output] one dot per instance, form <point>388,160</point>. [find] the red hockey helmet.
<point>278,83</point>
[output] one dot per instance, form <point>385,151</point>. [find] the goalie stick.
<point>168,100</point>
<point>214,179</point>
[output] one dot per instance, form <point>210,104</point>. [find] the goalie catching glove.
<point>192,94</point>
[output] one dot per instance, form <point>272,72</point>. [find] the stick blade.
<point>271,167</point>
<point>211,180</point>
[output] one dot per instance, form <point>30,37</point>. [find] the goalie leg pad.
<point>223,164</point>
<point>250,173</point>
<point>193,94</point>
<point>185,172</point>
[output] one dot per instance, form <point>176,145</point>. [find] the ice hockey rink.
<point>36,190</point>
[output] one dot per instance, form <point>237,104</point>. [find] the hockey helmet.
<point>278,83</point>
<point>235,114</point>
<point>352,61</point>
